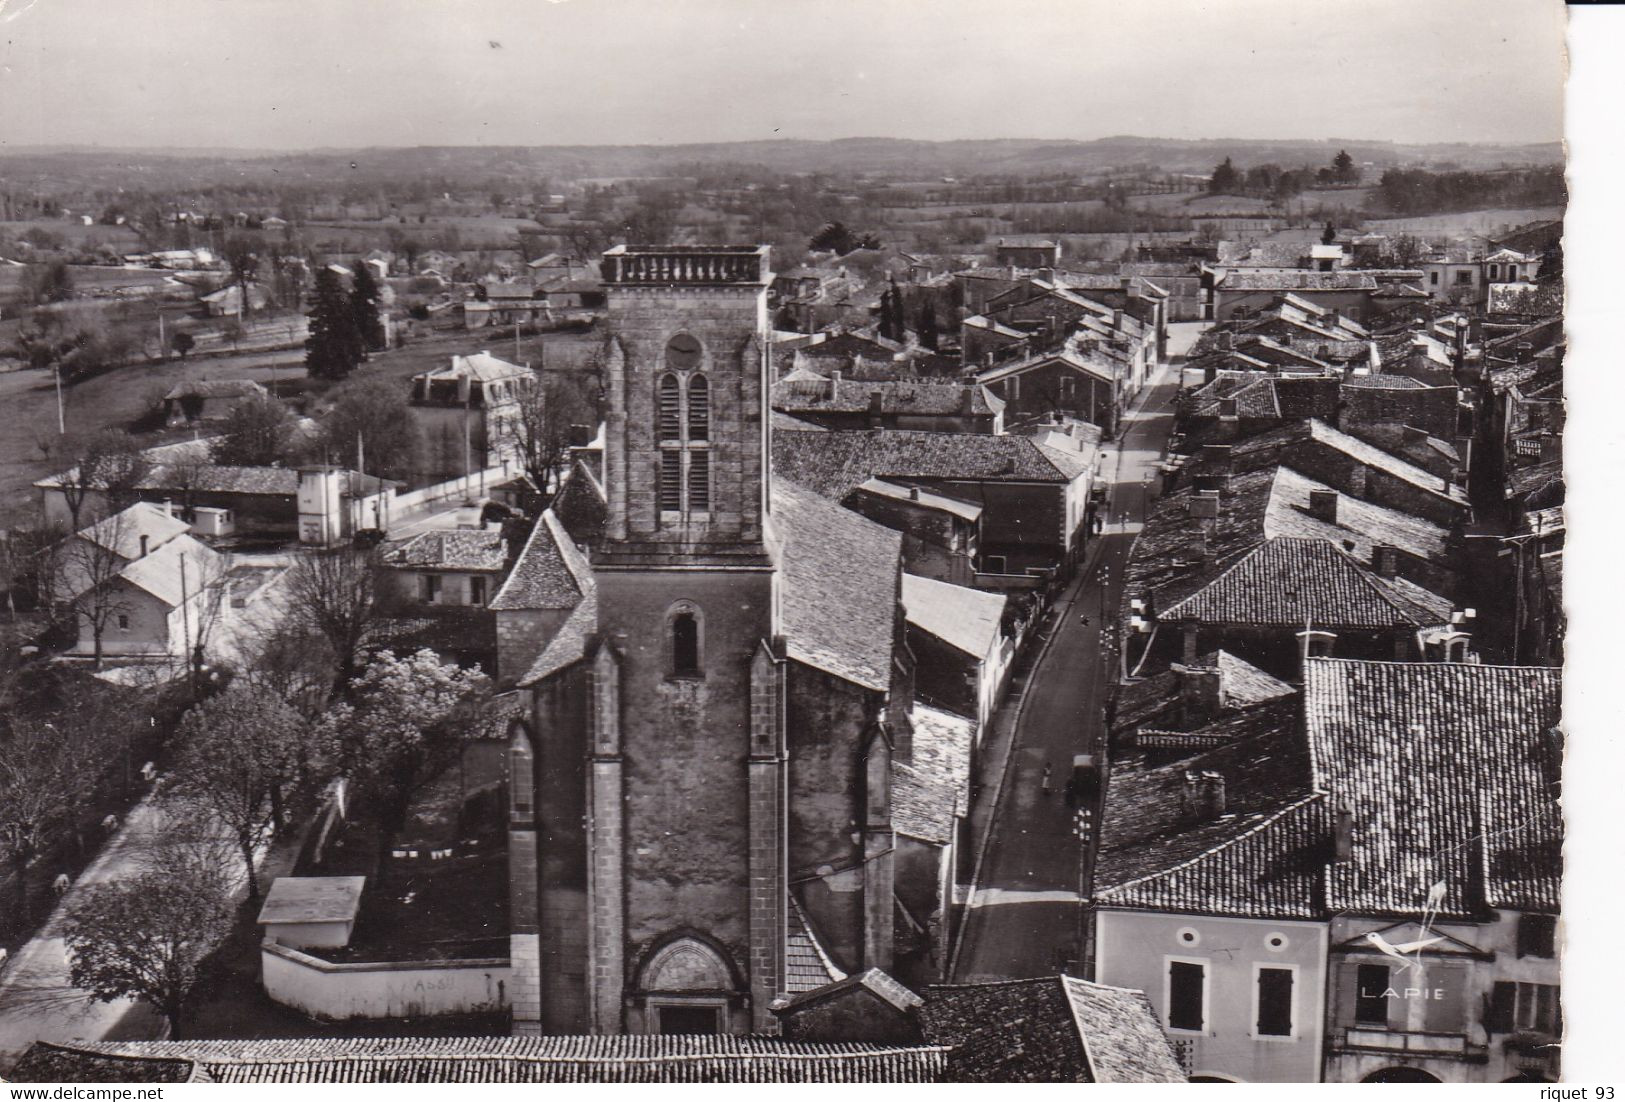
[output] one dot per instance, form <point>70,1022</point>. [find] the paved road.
<point>1022,918</point>
<point>37,1000</point>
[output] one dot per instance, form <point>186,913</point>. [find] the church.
<point>716,761</point>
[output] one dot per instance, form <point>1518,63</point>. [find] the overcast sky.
<point>310,73</point>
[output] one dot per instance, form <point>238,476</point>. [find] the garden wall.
<point>395,989</point>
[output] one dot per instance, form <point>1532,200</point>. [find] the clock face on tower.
<point>683,352</point>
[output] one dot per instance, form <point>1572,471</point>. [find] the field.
<point>1471,221</point>
<point>120,397</point>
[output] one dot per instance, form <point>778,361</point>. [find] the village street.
<point>1022,916</point>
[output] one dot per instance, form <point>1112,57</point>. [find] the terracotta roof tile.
<point>932,788</point>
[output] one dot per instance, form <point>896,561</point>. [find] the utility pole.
<point>61,418</point>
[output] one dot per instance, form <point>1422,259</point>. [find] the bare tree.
<point>110,464</point>
<point>335,595</point>
<point>83,576</point>
<point>541,428</point>
<point>37,781</point>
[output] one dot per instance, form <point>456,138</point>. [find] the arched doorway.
<point>686,986</point>
<point>1400,1075</point>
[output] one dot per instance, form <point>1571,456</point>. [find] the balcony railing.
<point>666,265</point>
<point>1415,1043</point>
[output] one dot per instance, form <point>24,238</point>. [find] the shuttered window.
<point>1186,983</point>
<point>670,422</point>
<point>683,435</point>
<point>699,409</point>
<point>1275,1002</point>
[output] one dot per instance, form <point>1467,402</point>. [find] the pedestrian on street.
<point>1047,770</point>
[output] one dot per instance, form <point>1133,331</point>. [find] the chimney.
<point>1117,319</point>
<point>1343,835</point>
<point>1323,505</point>
<point>1199,693</point>
<point>877,403</point>
<point>834,385</point>
<point>143,546</point>
<point>967,401</point>
<point>1217,456</point>
<point>1204,795</point>
<point>1526,352</point>
<point>1227,407</point>
<point>914,493</point>
<point>1227,341</point>
<point>1419,356</point>
<point>1204,505</point>
<point>1336,317</point>
<point>1385,560</point>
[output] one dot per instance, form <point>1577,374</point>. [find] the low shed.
<point>312,912</point>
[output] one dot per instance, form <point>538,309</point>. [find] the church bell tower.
<point>686,773</point>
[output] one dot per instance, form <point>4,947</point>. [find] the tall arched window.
<point>683,431</point>
<point>685,628</point>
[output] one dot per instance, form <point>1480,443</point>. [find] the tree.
<point>334,346</point>
<point>84,573</point>
<point>542,428</point>
<point>47,282</point>
<point>374,412</point>
<point>406,722</point>
<point>256,434</point>
<point>364,296</point>
<point>1344,170</point>
<point>927,328</point>
<point>182,342</point>
<point>147,937</point>
<point>109,463</point>
<point>245,265</point>
<point>334,595</point>
<point>1409,250</point>
<point>1224,179</point>
<point>1551,263</point>
<point>245,756</point>
<point>37,782</point>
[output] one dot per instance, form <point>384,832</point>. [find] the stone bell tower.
<point>686,813</point>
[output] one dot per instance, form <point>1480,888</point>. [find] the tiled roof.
<point>1296,281</point>
<point>807,966</point>
<point>569,643</point>
<point>1241,685</point>
<point>924,498</point>
<point>797,394</point>
<point>1270,447</point>
<point>450,549</point>
<point>1450,770</point>
<point>834,463</point>
<point>626,1058</point>
<point>1293,583</point>
<point>581,504</point>
<point>1088,359</point>
<point>1538,483</point>
<point>1360,523</point>
<point>840,583</point>
<point>160,572</point>
<point>122,532</point>
<point>48,1063</point>
<point>1053,1029</point>
<point>550,572</point>
<point>1147,830</point>
<point>1268,868</point>
<point>279,481</point>
<point>1122,1039</point>
<point>967,619</point>
<point>1385,382</point>
<point>481,365</point>
<point>932,788</point>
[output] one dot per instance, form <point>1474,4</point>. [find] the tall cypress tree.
<point>364,308</point>
<point>334,346</point>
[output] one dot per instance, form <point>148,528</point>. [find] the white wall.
<point>406,989</point>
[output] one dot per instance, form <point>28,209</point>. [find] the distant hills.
<point>891,157</point>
